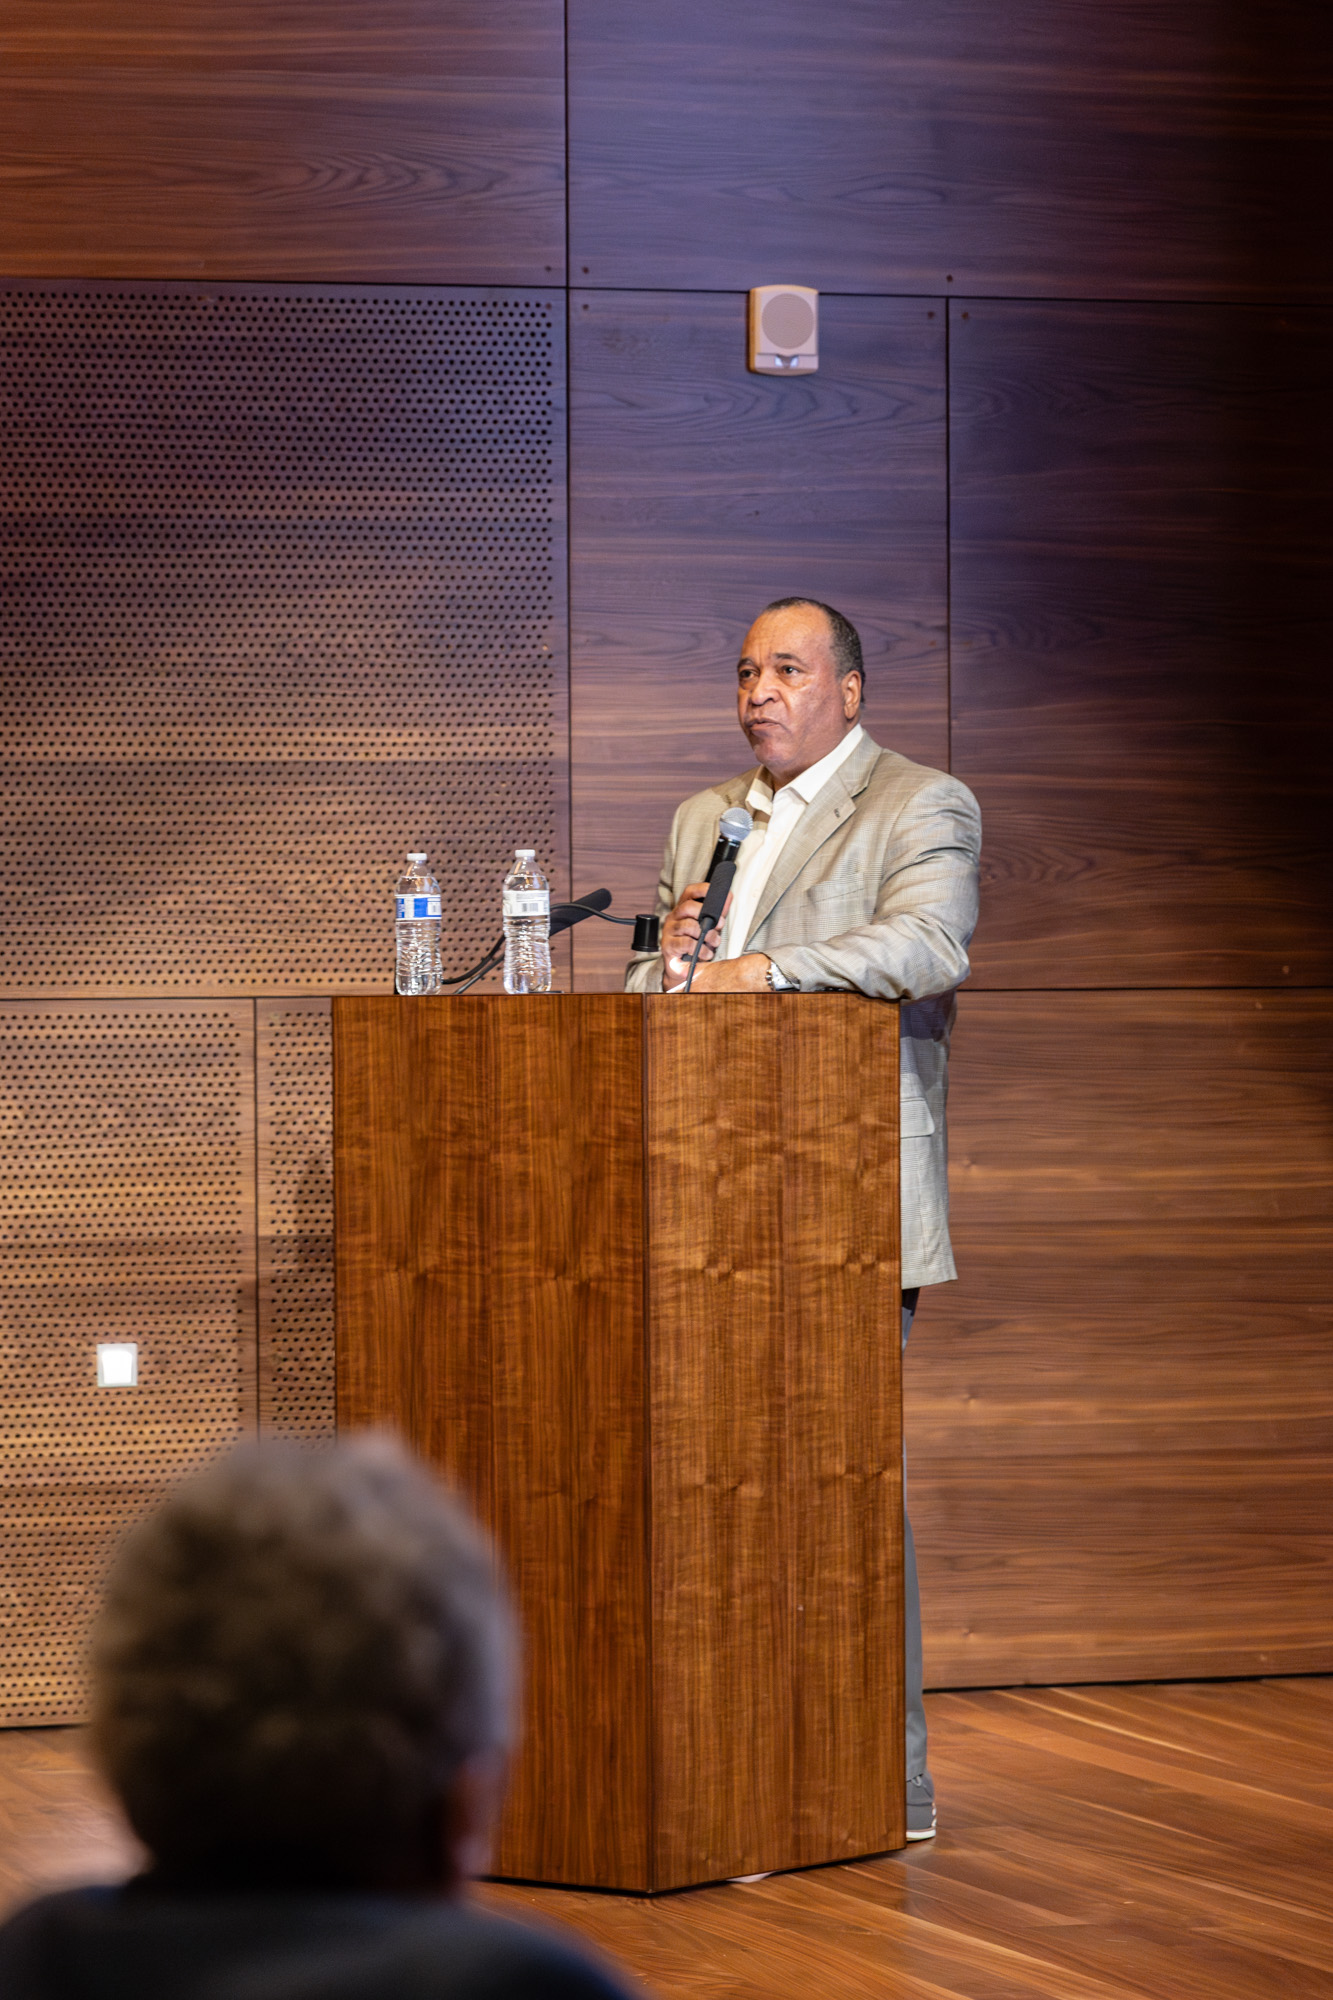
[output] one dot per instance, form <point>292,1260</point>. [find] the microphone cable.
<point>493,957</point>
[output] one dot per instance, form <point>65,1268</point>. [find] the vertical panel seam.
<point>569,518</point>
<point>333,1192</point>
<point>255,1211</point>
<point>788,1053</point>
<point>646,1353</point>
<point>569,605</point>
<point>948,537</point>
<point>569,244</point>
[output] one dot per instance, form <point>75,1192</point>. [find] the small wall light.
<point>117,1364</point>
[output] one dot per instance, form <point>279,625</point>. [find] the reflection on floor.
<point>1096,1843</point>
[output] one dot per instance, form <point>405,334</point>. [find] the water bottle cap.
<point>525,854</point>
<point>416,857</point>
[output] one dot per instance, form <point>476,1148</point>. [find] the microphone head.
<point>735,824</point>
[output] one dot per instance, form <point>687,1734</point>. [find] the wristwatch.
<point>777,981</point>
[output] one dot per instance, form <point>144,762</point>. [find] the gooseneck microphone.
<point>734,827</point>
<point>564,915</point>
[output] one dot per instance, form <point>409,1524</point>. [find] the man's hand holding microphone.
<point>693,931</point>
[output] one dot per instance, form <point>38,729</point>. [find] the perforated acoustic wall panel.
<point>284,569</point>
<point>282,595</point>
<point>294,1099</point>
<point>126,1205</point>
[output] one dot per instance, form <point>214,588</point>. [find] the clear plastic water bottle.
<point>527,914</point>
<point>418,927</point>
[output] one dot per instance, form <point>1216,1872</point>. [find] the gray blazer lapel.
<point>834,805</point>
<point>698,838</point>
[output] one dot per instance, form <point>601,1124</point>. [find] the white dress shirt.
<point>775,817</point>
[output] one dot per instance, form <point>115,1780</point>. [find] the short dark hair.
<point>843,635</point>
<point>296,1653</point>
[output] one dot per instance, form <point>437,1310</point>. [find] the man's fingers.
<point>682,946</point>
<point>680,937</point>
<point>680,932</point>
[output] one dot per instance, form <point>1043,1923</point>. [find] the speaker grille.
<point>787,320</point>
<point>283,569</point>
<point>126,1203</point>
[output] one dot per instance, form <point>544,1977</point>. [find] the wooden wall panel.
<point>284,585</point>
<point>126,1214</point>
<point>699,492</point>
<point>411,140</point>
<point>284,577</point>
<point>1120,1420</point>
<point>1048,148</point>
<point>1141,544</point>
<point>1139,528</point>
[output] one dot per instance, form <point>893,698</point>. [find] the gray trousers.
<point>915,1704</point>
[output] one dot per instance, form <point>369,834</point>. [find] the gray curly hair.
<point>296,1653</point>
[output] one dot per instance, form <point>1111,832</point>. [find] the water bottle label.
<point>527,902</point>
<point>411,907</point>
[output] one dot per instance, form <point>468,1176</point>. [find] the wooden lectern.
<point>627,1269</point>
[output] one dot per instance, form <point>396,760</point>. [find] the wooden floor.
<point>1096,1842</point>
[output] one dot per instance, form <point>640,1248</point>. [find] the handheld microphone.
<point>729,836</point>
<point>734,827</point>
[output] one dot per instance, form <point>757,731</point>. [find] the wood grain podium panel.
<point>721,1473</point>
<point>773,1318</point>
<point>565,1279</point>
<point>490,1258</point>
<point>842,1279</point>
<point>628,1269</point>
<point>1120,1420</point>
<point>294,1116</point>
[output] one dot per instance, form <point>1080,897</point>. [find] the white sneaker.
<point>920,1808</point>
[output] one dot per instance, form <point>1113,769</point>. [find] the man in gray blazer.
<point>860,876</point>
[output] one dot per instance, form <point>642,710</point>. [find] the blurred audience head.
<point>304,1675</point>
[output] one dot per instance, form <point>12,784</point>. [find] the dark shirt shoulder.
<point>113,1944</point>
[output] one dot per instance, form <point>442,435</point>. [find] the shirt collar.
<point>759,798</point>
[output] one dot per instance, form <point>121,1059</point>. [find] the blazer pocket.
<point>915,1120</point>
<point>842,891</point>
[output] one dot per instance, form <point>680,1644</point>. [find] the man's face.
<point>792,704</point>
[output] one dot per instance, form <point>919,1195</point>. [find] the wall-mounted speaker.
<point>784,329</point>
